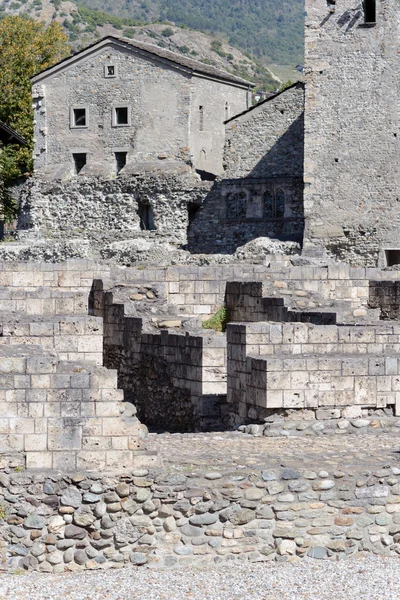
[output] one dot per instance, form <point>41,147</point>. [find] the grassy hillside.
<point>271,30</point>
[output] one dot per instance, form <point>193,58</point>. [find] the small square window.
<point>79,117</point>
<point>121,115</point>
<point>110,70</point>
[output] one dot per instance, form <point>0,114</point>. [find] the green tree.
<point>26,47</point>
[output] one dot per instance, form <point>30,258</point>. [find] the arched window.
<point>268,205</point>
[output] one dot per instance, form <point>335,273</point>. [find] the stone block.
<point>39,460</point>
<point>35,442</point>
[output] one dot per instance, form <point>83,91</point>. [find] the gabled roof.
<point>272,97</point>
<point>182,62</point>
<point>9,136</point>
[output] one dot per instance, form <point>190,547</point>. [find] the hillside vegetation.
<point>271,30</point>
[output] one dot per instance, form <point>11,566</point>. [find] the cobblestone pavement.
<point>233,450</point>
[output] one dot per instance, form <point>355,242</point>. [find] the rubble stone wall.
<point>52,522</point>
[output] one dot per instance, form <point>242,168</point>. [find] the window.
<point>392,257</point>
<point>236,206</point>
<point>201,118</point>
<point>274,204</point>
<point>121,116</point>
<point>120,160</point>
<point>370,11</point>
<point>146,216</point>
<point>80,160</point>
<point>79,117</point>
<point>110,70</point>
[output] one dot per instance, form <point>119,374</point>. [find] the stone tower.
<point>352,130</point>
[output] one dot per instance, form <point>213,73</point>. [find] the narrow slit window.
<point>370,11</point>
<point>120,161</point>
<point>146,217</point>
<point>201,118</point>
<point>121,115</point>
<point>79,117</point>
<point>80,160</point>
<point>226,111</point>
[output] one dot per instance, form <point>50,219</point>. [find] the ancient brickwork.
<point>352,138</point>
<point>104,212</point>
<point>285,366</point>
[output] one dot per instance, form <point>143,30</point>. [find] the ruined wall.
<point>108,211</point>
<point>275,366</point>
<point>176,381</point>
<point>352,152</point>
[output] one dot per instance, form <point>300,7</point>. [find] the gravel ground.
<point>366,579</point>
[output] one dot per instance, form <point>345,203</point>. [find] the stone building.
<point>352,117</point>
<point>261,190</point>
<point>119,103</point>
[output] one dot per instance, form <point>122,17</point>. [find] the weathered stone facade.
<point>155,105</point>
<point>352,153</point>
<point>261,193</point>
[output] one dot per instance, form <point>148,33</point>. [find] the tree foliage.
<point>26,47</point>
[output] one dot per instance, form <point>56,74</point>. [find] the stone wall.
<point>384,295</point>
<point>237,211</point>
<point>268,139</point>
<point>175,380</point>
<point>52,522</point>
<point>303,366</point>
<point>261,192</point>
<point>352,138</point>
<point>104,212</point>
<point>162,98</point>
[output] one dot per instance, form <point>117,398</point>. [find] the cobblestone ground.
<point>234,450</point>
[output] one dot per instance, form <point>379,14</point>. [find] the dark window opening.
<point>370,11</point>
<point>193,209</point>
<point>146,217</point>
<point>226,111</point>
<point>79,117</point>
<point>392,257</point>
<point>236,206</point>
<point>79,161</point>
<point>121,115</point>
<point>274,204</point>
<point>201,118</point>
<point>110,70</point>
<point>120,160</point>
<point>205,175</point>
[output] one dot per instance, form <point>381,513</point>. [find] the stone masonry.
<point>174,108</point>
<point>351,167</point>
